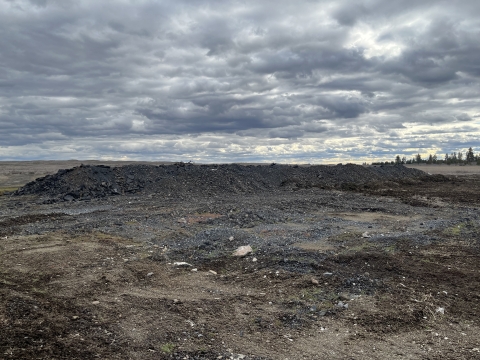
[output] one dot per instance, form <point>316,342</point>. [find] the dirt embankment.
<point>87,182</point>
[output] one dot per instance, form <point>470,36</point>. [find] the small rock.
<point>242,251</point>
<point>95,302</point>
<point>181,264</point>
<point>212,272</point>
<point>342,305</point>
<point>314,281</point>
<point>254,259</point>
<point>231,238</point>
<point>327,274</point>
<point>440,310</point>
<point>194,269</point>
<point>150,274</point>
<point>182,220</point>
<point>74,317</point>
<point>365,235</point>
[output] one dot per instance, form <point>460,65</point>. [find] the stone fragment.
<point>342,305</point>
<point>314,281</point>
<point>181,264</point>
<point>242,251</point>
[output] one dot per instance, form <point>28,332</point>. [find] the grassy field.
<point>447,169</point>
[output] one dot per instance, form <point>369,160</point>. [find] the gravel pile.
<point>180,179</point>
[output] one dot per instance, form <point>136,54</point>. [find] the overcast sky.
<point>230,81</point>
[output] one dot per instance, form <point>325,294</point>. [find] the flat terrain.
<point>386,271</point>
<point>448,169</point>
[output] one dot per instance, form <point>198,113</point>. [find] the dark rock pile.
<point>180,179</point>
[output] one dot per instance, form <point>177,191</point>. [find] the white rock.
<point>440,310</point>
<point>243,250</point>
<point>212,272</point>
<point>327,274</point>
<point>254,259</point>
<point>365,235</point>
<point>343,305</point>
<point>181,263</point>
<point>150,274</point>
<point>231,238</point>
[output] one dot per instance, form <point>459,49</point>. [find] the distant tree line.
<point>458,158</point>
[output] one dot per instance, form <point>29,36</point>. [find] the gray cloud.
<point>305,80</point>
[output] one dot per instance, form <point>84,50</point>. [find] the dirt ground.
<point>387,272</point>
<point>447,169</point>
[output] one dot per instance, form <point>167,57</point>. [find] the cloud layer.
<point>224,81</point>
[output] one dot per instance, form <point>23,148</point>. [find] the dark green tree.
<point>453,157</point>
<point>470,156</point>
<point>418,158</point>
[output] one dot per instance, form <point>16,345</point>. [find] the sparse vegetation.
<point>453,158</point>
<point>7,190</point>
<point>167,348</point>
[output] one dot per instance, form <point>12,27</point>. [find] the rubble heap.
<point>86,182</point>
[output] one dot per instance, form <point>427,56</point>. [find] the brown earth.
<point>447,169</point>
<point>391,271</point>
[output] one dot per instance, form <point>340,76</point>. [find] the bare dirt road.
<point>389,270</point>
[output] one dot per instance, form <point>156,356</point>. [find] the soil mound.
<point>180,179</point>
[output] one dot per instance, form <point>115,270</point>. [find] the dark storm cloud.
<point>305,73</point>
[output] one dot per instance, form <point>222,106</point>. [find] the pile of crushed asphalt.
<point>86,182</point>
